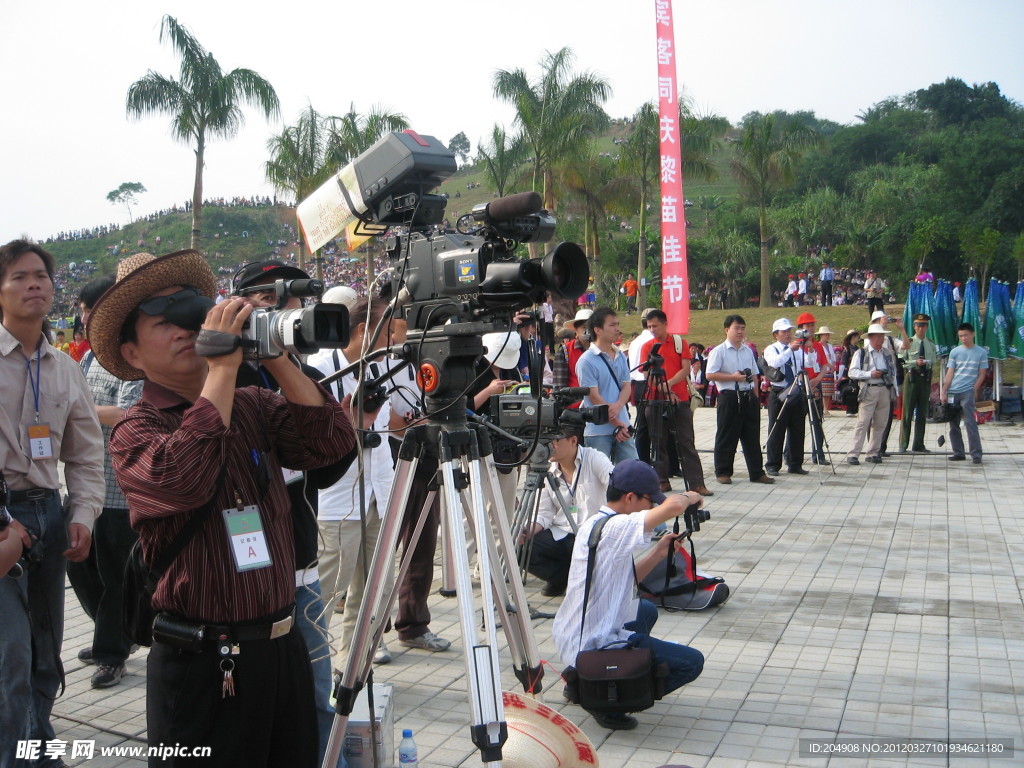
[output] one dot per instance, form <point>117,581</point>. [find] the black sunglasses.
<point>159,305</point>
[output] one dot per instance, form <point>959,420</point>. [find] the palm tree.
<point>591,180</point>
<point>298,163</point>
<point>556,112</point>
<point>204,102</point>
<point>641,163</point>
<point>766,160</point>
<point>501,159</point>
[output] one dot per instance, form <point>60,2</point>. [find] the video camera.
<point>748,376</point>
<point>519,413</point>
<point>269,333</point>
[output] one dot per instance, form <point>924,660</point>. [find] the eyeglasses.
<point>159,305</point>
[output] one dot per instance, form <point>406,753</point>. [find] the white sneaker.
<point>428,641</point>
<point>383,655</point>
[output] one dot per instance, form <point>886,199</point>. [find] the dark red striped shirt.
<point>168,455</point>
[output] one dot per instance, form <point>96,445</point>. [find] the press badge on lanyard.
<point>245,534</point>
<point>40,446</point>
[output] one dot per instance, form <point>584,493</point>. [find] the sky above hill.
<point>66,66</point>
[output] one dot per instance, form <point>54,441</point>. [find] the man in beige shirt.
<point>47,415</point>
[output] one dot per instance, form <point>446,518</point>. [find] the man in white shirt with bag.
<point>614,614</point>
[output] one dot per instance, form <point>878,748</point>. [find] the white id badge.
<point>39,444</point>
<point>246,537</point>
<point>291,475</point>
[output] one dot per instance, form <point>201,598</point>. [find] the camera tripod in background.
<point>654,412</point>
<point>801,387</point>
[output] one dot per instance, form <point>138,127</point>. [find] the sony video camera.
<point>269,333</point>
<point>521,414</point>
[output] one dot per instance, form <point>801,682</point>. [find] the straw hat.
<point>877,328</point>
<point>539,737</point>
<point>581,317</point>
<point>823,330</point>
<point>139,277</point>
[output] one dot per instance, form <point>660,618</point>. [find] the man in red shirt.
<point>630,288</point>
<point>673,395</point>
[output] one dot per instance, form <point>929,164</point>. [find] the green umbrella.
<point>995,336</point>
<point>1016,346</point>
<point>942,329</point>
<point>972,310</point>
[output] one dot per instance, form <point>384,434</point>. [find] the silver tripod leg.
<point>374,609</point>
<point>509,594</point>
<point>481,654</point>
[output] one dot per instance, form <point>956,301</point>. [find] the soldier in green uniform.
<point>919,357</point>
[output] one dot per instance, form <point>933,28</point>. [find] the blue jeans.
<point>31,631</point>
<point>956,440</point>
<point>309,613</point>
<point>684,663</point>
<point>615,451</point>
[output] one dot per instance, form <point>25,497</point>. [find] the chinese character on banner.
<point>675,281</point>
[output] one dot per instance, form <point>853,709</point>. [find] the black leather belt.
<point>32,494</point>
<point>265,630</point>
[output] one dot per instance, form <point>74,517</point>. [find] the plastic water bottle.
<point>407,754</point>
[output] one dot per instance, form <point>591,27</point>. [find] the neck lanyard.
<point>577,471</point>
<point>35,381</point>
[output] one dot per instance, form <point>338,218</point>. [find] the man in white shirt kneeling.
<point>614,614</point>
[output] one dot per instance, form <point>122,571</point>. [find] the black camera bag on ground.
<point>612,679</point>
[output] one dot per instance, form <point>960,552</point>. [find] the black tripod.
<point>654,413</point>
<point>445,358</point>
<point>801,387</point>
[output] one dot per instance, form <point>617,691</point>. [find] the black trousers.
<point>549,559</point>
<point>98,581</point>
<point>826,293</point>
<point>785,423</point>
<point>739,422</point>
<point>269,722</point>
<point>874,304</point>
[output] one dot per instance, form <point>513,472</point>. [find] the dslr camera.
<point>270,333</point>
<point>801,334</point>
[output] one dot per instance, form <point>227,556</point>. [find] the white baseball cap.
<point>782,324</point>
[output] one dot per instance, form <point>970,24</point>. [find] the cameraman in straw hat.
<point>228,669</point>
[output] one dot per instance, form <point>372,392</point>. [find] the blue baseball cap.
<point>633,476</point>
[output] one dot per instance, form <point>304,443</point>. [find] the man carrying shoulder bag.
<point>635,506</point>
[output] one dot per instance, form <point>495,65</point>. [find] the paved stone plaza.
<point>882,601</point>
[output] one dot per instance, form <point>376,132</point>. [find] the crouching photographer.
<point>198,458</point>
<point>600,606</point>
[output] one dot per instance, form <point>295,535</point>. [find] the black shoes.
<point>874,459</point>
<point>976,461</point>
<point>853,460</point>
<point>107,675</point>
<point>958,458</point>
<point>615,721</point>
<point>772,472</point>
<point>552,589</point>
<point>797,471</point>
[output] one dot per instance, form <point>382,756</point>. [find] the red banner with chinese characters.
<point>675,282</point>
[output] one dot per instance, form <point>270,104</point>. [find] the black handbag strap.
<point>595,537</point>
<point>185,535</point>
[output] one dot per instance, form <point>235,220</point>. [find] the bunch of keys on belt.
<point>227,665</point>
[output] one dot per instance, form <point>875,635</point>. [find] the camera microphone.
<point>575,393</point>
<point>510,207</point>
